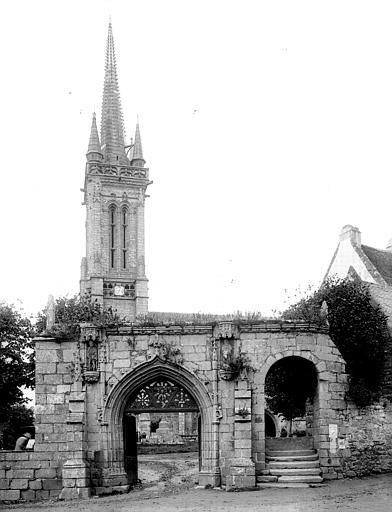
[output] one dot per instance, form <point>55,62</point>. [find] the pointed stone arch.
<point>112,440</point>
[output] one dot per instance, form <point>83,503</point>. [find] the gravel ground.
<point>168,485</point>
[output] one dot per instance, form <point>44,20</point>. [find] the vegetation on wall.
<point>70,312</point>
<point>357,326</point>
<point>16,369</point>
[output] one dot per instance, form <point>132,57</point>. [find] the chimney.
<point>351,233</point>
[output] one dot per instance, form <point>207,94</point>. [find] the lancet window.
<point>124,235</point>
<point>112,235</point>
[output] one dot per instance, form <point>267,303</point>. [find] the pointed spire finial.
<point>94,147</point>
<point>137,157</point>
<point>112,125</point>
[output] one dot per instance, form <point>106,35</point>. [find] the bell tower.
<point>116,179</point>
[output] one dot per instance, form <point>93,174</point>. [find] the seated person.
<point>22,441</point>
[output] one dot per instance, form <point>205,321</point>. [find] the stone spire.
<point>112,124</point>
<point>137,156</point>
<point>94,151</point>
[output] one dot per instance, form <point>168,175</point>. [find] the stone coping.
<point>167,329</point>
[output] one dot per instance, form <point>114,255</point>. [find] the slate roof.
<point>382,260</point>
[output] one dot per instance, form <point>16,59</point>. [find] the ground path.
<point>168,485</point>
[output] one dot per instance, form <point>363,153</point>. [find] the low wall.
<point>28,476</point>
<point>144,449</point>
<point>367,436</point>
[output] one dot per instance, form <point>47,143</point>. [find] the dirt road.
<point>168,485</point>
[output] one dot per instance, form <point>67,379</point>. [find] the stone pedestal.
<point>76,471</point>
<point>76,480</point>
<point>242,472</point>
<point>210,478</point>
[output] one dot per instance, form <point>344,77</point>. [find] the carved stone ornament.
<point>226,330</point>
<point>92,362</point>
<point>226,374</point>
<point>90,376</point>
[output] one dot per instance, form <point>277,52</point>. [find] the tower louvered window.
<point>124,232</point>
<point>112,235</point>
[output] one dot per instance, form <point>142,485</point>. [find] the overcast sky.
<point>266,126</point>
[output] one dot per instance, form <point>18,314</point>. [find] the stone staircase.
<point>295,465</point>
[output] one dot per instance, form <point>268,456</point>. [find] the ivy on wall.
<point>357,326</point>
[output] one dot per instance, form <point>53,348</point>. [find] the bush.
<point>357,326</point>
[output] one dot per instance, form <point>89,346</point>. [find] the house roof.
<point>382,261</point>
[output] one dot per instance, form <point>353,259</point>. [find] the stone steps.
<point>290,453</point>
<point>294,471</point>
<point>300,479</point>
<point>282,485</point>
<point>289,458</point>
<point>298,464</point>
<point>287,468</point>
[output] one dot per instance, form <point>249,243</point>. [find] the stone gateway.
<point>101,396</point>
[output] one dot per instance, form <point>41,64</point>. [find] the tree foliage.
<point>19,419</point>
<point>357,326</point>
<point>288,385</point>
<point>16,366</point>
<point>16,356</point>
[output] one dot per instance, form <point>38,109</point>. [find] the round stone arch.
<point>305,354</point>
<point>113,412</point>
<point>321,409</point>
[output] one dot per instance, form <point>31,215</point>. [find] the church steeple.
<point>137,155</point>
<point>113,270</point>
<point>112,124</point>
<point>94,147</point>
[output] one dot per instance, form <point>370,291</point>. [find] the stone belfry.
<point>113,271</point>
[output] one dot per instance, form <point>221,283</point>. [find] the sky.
<point>266,126</point>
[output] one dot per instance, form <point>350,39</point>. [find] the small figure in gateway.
<point>21,442</point>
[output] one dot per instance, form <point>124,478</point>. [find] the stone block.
<point>41,494</point>
<point>10,495</point>
<point>64,388</point>
<point>53,379</point>
<point>121,363</point>
<point>35,484</point>
<point>243,443</point>
<point>240,482</point>
<point>23,473</point>
<point>4,483</point>
<point>121,489</point>
<point>57,398</point>
<point>48,356</point>
<point>28,495</point>
<point>52,483</point>
<point>46,473</point>
<point>76,406</point>
<point>62,368</point>
<point>102,491</point>
<point>45,368</point>
<point>67,378</point>
<point>44,428</point>
<point>74,493</point>
<point>69,482</point>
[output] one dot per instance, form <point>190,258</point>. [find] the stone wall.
<point>367,437</point>
<point>79,413</point>
<point>28,476</point>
